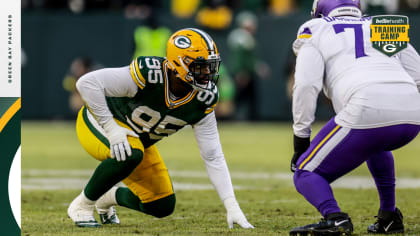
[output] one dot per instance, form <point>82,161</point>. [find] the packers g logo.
<point>389,48</point>
<point>182,42</point>
<point>389,34</point>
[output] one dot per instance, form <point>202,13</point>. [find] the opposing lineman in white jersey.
<point>377,103</point>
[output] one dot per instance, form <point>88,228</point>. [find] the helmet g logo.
<point>182,42</point>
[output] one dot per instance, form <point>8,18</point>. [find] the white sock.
<point>86,200</point>
<point>108,199</point>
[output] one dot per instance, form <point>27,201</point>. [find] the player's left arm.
<point>309,75</point>
<point>93,88</point>
<point>208,141</point>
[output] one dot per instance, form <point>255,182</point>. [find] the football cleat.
<point>105,207</point>
<point>334,224</point>
<point>81,212</point>
<point>388,222</point>
<point>109,216</point>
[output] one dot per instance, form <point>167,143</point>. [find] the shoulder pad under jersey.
<point>209,98</point>
<point>140,68</point>
<point>305,33</point>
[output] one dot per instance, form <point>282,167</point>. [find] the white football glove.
<point>235,214</point>
<point>117,137</point>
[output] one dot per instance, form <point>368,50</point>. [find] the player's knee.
<point>162,207</point>
<point>296,176</point>
<point>299,177</point>
<point>135,158</point>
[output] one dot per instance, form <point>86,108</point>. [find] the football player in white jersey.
<point>377,103</point>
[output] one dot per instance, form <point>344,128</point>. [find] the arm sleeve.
<point>111,82</point>
<point>208,141</point>
<point>308,83</point>
<point>410,60</point>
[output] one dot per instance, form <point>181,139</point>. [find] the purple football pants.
<point>337,150</point>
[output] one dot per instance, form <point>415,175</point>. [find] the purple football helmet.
<point>322,8</point>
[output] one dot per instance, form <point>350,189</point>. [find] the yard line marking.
<point>79,183</point>
<point>57,172</point>
<point>66,179</point>
<point>172,173</point>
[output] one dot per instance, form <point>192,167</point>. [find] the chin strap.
<point>171,66</point>
<point>185,68</point>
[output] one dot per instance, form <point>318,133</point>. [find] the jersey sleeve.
<point>308,83</point>
<point>136,73</point>
<point>206,101</point>
<point>211,99</point>
<point>207,137</point>
<point>111,82</point>
<point>213,105</point>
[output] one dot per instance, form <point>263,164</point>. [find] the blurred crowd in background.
<point>237,18</point>
<point>220,10</point>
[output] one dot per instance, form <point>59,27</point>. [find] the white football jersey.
<point>367,88</point>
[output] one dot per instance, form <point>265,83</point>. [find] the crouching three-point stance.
<point>129,109</point>
<point>377,102</point>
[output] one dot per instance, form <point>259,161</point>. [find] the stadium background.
<point>53,35</point>
<point>55,167</point>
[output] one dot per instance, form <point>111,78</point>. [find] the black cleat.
<point>334,224</point>
<point>388,222</point>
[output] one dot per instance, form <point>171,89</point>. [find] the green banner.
<point>389,33</point>
<point>10,144</point>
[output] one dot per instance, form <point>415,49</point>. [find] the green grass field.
<point>55,168</point>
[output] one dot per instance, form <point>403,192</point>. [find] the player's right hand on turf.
<point>300,146</point>
<point>117,137</point>
<point>235,214</point>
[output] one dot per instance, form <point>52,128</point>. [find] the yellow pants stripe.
<point>318,146</point>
